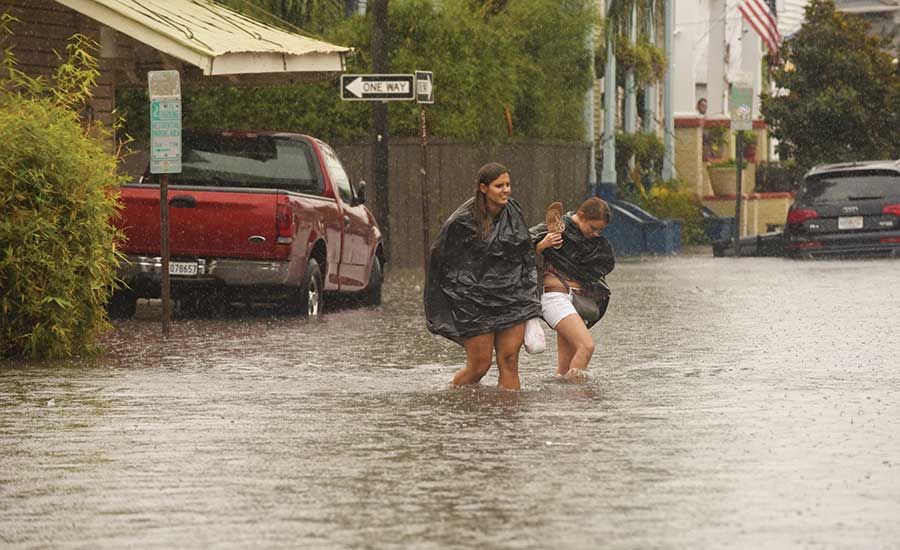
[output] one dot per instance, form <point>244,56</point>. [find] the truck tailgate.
<point>232,223</point>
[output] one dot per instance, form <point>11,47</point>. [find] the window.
<point>855,185</point>
<point>337,173</point>
<point>248,161</point>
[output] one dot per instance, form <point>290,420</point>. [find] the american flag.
<point>760,14</point>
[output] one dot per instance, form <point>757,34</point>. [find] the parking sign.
<point>165,122</point>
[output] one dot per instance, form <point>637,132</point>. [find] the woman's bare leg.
<point>564,354</point>
<point>575,347</point>
<point>479,350</point>
<point>508,343</point>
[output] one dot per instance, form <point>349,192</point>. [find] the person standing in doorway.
<point>481,284</point>
<point>576,260</point>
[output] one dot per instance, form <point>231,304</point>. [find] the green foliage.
<point>747,136</point>
<point>647,61</point>
<point>665,200</point>
<point>58,190</point>
<point>842,99</point>
<point>292,15</point>
<point>748,143</point>
<point>488,58</point>
<point>646,149</point>
<point>715,142</point>
<point>727,163</point>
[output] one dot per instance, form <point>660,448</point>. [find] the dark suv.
<point>846,209</point>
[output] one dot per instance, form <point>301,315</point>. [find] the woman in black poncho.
<point>576,262</point>
<point>481,284</point>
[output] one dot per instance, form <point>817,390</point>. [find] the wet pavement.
<point>732,403</point>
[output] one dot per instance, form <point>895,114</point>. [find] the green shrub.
<point>58,193</point>
<point>727,163</point>
<point>667,201</point>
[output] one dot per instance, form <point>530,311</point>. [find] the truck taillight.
<point>801,215</point>
<point>284,224</point>
<point>891,209</point>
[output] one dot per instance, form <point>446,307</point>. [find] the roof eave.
<point>195,56</point>
<point>211,62</point>
<point>272,62</point>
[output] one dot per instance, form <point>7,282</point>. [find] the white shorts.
<point>556,306</point>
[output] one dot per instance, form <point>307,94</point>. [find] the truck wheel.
<point>122,304</point>
<point>311,294</point>
<point>372,294</point>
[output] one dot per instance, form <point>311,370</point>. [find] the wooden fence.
<point>541,172</point>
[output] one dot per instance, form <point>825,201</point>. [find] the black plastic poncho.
<point>473,285</point>
<point>587,260</point>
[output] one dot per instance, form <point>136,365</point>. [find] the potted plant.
<point>715,142</point>
<point>749,145</point>
<point>723,178</point>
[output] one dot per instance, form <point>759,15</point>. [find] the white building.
<point>714,48</point>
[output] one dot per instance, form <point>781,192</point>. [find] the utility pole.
<point>380,172</point>
<point>629,124</point>
<point>589,118</point>
<point>668,171</point>
<point>608,175</point>
<point>629,115</point>
<point>650,91</point>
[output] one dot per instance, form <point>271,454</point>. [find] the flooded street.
<point>733,403</point>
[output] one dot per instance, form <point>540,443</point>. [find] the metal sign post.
<point>423,185</point>
<point>165,159</point>
<point>424,95</point>
<point>741,104</point>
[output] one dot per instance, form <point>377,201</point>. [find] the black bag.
<point>591,309</point>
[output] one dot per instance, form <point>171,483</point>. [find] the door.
<point>359,235</point>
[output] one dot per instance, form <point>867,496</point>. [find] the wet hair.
<point>486,174</point>
<point>595,208</point>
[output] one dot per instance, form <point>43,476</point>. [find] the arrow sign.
<point>424,87</point>
<point>377,87</point>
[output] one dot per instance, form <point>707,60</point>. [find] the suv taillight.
<point>801,215</point>
<point>284,224</point>
<point>891,209</point>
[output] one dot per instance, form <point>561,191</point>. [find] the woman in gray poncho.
<point>481,284</point>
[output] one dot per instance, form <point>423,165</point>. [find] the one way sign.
<point>377,87</point>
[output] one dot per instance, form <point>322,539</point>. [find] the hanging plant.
<point>646,60</point>
<point>646,149</point>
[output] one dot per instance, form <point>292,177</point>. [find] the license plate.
<point>850,222</point>
<point>182,268</point>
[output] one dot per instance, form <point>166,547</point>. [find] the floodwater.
<point>733,403</point>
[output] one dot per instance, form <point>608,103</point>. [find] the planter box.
<point>724,181</point>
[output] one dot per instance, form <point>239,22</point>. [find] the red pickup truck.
<point>253,217</point>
